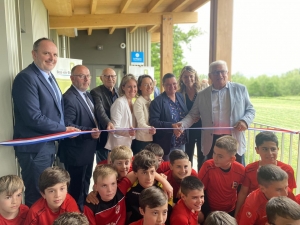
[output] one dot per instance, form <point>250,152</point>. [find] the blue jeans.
<point>166,157</point>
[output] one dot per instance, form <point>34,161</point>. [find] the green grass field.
<point>282,112</point>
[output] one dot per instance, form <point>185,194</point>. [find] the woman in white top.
<point>121,113</point>
<point>141,113</point>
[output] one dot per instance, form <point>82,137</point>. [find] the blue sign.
<point>137,58</point>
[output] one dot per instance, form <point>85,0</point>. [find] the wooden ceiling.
<point>88,15</point>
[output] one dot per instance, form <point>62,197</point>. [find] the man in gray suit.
<point>104,96</point>
<point>223,104</point>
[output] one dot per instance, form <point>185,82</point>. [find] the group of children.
<point>144,190</point>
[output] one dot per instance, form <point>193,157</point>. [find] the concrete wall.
<point>84,47</point>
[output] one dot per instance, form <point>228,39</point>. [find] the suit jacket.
<point>35,107</point>
<point>121,117</point>
<point>80,150</point>
<point>160,117</point>
<point>103,102</point>
<point>241,109</point>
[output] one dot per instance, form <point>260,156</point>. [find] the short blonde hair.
<point>228,143</point>
<point>104,171</point>
<point>10,184</point>
<point>120,152</point>
<point>219,218</point>
<point>124,81</point>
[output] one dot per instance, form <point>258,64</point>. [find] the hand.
<point>196,119</point>
<point>92,198</point>
<point>241,126</point>
<point>131,132</point>
<point>110,126</point>
<point>70,129</point>
<point>163,175</point>
<point>177,129</point>
<point>168,189</point>
<point>152,130</point>
<point>96,134</point>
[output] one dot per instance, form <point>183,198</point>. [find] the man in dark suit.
<point>38,110</point>
<point>78,153</point>
<point>104,96</point>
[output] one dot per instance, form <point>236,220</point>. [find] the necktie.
<point>91,106</point>
<point>54,88</point>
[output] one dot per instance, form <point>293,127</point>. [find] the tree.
<point>181,39</point>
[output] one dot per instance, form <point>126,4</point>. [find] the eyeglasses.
<point>109,76</point>
<point>223,72</point>
<point>81,76</point>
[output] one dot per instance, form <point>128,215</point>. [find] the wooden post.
<point>221,17</point>
<point>166,46</point>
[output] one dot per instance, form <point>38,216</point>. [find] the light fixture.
<point>99,47</point>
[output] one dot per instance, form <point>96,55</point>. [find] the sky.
<point>266,38</point>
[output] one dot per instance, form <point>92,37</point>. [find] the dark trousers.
<point>32,165</point>
<point>194,138</point>
<point>80,182</point>
<point>138,146</point>
<point>240,159</point>
<point>101,154</point>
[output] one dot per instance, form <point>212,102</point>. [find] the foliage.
<point>271,86</point>
<point>181,39</point>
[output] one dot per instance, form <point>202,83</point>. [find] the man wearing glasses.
<point>223,104</point>
<point>78,153</point>
<point>104,96</point>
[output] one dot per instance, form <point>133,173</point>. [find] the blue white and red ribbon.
<point>67,134</point>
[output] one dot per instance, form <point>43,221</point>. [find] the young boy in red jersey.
<point>222,175</point>
<point>273,182</point>
<point>12,212</point>
<point>110,195</point>
<point>153,207</point>
<point>267,148</point>
<point>55,200</point>
<point>188,207</point>
<point>283,211</point>
<point>144,166</point>
<point>71,218</point>
<point>163,166</point>
<point>180,167</point>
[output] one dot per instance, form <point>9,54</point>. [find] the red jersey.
<point>183,215</point>
<point>221,186</point>
<point>253,212</point>
<point>40,213</point>
<point>164,167</point>
<point>175,184</point>
<point>19,219</point>
<point>251,175</point>
<point>111,212</point>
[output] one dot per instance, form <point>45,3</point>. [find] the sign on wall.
<point>137,58</point>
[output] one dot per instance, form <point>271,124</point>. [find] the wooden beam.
<point>153,5</point>
<point>112,20</point>
<point>166,47</point>
<point>155,37</point>
<point>58,7</point>
<point>93,6</point>
<point>221,19</point>
<point>175,6</point>
<point>89,31</point>
<point>66,32</point>
<point>196,5</point>
<point>111,30</point>
<point>151,29</point>
<point>132,29</point>
<point>124,5</point>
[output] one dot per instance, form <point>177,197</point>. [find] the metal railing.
<point>289,146</point>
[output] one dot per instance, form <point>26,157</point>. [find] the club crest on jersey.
<point>248,214</point>
<point>117,209</point>
<point>234,185</point>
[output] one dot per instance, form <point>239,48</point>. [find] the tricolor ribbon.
<point>67,134</point>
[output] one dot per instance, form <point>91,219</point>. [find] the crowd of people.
<point>143,176</point>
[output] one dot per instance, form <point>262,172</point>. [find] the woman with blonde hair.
<point>189,86</point>
<point>121,113</point>
<point>141,113</point>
